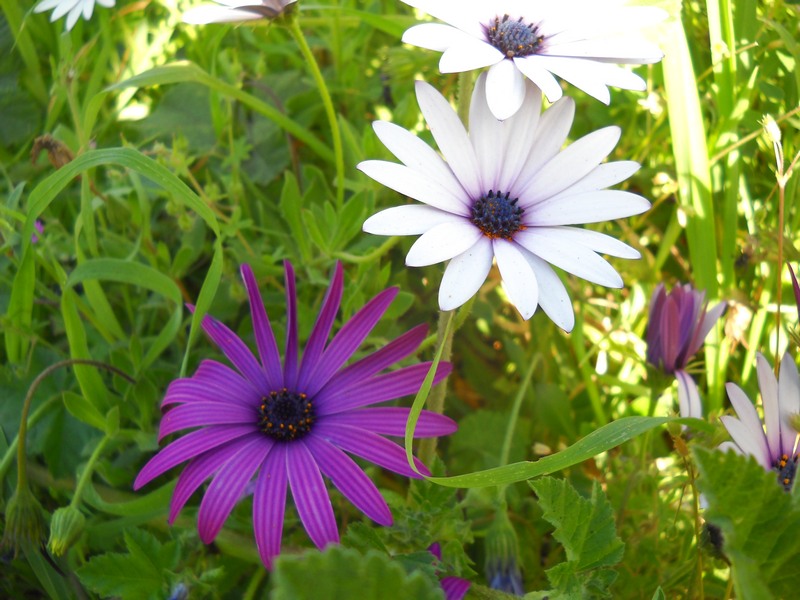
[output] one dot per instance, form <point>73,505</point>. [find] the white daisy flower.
<point>776,448</point>
<point>72,8</point>
<point>578,40</point>
<point>506,192</point>
<point>234,11</point>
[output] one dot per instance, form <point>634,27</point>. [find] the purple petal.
<point>322,328</point>
<point>393,352</point>
<point>436,549</point>
<point>349,339</point>
<point>188,447</point>
<point>200,414</point>
<point>290,357</point>
<point>380,388</point>
<point>371,447</point>
<point>235,349</point>
<point>349,479</point>
<point>789,403</point>
<point>227,486</point>
<point>455,588</point>
<point>796,288</point>
<point>670,330</point>
<point>265,338</point>
<point>392,421</point>
<point>226,390</point>
<point>310,496</point>
<point>269,504</point>
<point>200,469</point>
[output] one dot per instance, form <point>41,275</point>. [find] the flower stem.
<point>86,476</point>
<point>305,50</point>
<point>466,82</point>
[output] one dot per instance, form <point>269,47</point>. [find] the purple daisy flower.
<point>774,449</point>
<point>678,324</point>
<point>289,425</point>
<point>454,588</point>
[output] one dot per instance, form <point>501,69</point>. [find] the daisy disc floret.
<point>506,192</point>
<point>774,445</point>
<point>286,426</point>
<point>576,40</point>
<point>74,9</point>
<point>234,11</point>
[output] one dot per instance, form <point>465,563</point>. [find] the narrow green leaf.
<point>83,410</point>
<point>153,504</point>
<point>51,581</point>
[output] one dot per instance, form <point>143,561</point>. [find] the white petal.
<point>618,50</point>
<point>554,125</point>
<point>463,14</point>
<point>487,135</point>
<point>730,447</point>
<point>519,280</point>
<point>789,401</point>
<point>577,72</point>
<point>521,130</point>
<point>46,5</point>
<point>541,77</point>
<point>88,9</point>
<point>601,177</point>
<point>414,185</point>
<point>465,274</point>
<point>505,89</point>
<point>573,258</point>
<point>747,414</point>
<point>416,154</point>
<point>414,219</point>
<point>450,136</point>
<point>553,296</point>
<point>210,13</point>
<point>63,8</point>
<point>443,242</point>
<point>72,18</point>
<point>468,55</point>
<point>594,240</point>
<point>569,166</point>
<point>748,444</point>
<point>434,36</point>
<point>106,3</point>
<point>589,207</point>
<point>688,396</point>
<point>769,399</point>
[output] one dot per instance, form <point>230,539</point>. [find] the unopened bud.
<point>65,527</point>
<point>24,521</point>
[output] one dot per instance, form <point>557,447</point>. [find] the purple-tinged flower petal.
<point>201,468</point>
<point>265,338</point>
<point>322,328</point>
<point>796,288</point>
<point>505,89</point>
<point>393,352</point>
<point>188,447</point>
<point>391,420</point>
<point>748,416</point>
<point>290,356</point>
<point>235,349</point>
<point>670,344</point>
<point>789,402</point>
<point>231,389</point>
<point>380,388</point>
<point>743,438</point>
<point>349,338</point>
<point>688,396</point>
<point>455,588</point>
<point>198,414</point>
<point>350,480</point>
<point>436,549</point>
<point>227,486</point>
<point>371,447</point>
<point>269,504</point>
<point>310,496</point>
<point>769,399</point>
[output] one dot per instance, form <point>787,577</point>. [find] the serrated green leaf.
<point>760,524</point>
<point>129,576</point>
<point>345,573</point>
<point>586,530</point>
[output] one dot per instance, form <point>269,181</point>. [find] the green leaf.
<point>586,530</point>
<point>600,440</point>
<point>83,410</point>
<point>130,576</point>
<point>345,573</point>
<point>760,524</point>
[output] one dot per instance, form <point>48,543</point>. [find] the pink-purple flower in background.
<point>288,425</point>
<point>678,324</point>
<point>454,588</point>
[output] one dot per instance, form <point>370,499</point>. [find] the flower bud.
<point>24,521</point>
<point>502,550</point>
<point>65,527</point>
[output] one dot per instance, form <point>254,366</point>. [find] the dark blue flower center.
<point>285,415</point>
<point>514,38</point>
<point>786,468</point>
<point>497,216</point>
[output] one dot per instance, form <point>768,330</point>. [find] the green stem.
<point>466,82</point>
<point>370,256</point>
<point>12,447</point>
<point>86,476</point>
<point>297,33</point>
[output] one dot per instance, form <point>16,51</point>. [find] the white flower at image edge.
<point>507,192</point>
<point>577,40</point>
<point>72,8</point>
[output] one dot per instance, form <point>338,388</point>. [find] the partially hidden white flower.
<point>505,191</point>
<point>774,449</point>
<point>577,40</point>
<point>72,8</point>
<point>233,11</point>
